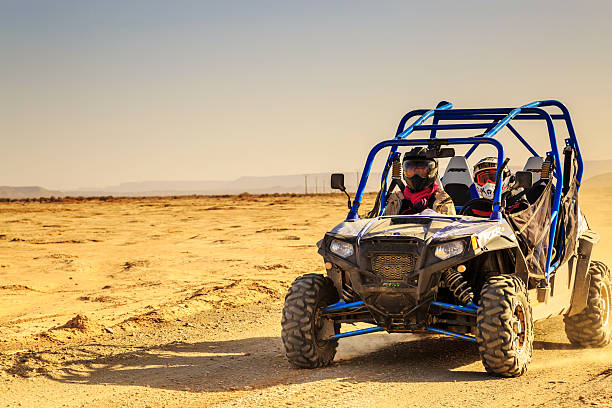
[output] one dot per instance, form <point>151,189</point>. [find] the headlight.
<point>341,248</point>
<point>449,249</point>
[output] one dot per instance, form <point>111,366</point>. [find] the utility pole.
<point>316,184</point>
<point>305,184</point>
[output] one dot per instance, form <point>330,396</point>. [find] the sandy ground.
<point>176,303</point>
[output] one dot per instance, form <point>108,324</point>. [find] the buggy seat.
<point>458,182</point>
<point>534,166</point>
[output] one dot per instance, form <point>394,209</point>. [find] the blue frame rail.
<point>491,121</point>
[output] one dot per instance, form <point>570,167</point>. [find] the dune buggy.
<point>481,279</point>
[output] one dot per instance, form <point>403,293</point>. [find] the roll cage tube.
<point>504,122</point>
<point>533,109</point>
<point>497,114</point>
<point>500,117</point>
<point>571,141</point>
<point>556,204</point>
<point>395,143</point>
<point>425,114</point>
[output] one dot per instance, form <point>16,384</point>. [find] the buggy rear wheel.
<point>304,329</point>
<point>504,326</point>
<point>593,327</point>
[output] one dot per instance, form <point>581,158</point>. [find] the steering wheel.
<point>474,202</point>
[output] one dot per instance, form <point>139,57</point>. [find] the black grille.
<point>393,267</point>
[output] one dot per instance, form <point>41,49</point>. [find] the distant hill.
<point>598,172</point>
<point>593,168</point>
<point>298,183</point>
<point>312,183</point>
<point>27,192</point>
<point>602,180</point>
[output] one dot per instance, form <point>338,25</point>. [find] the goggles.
<point>421,168</point>
<point>485,176</point>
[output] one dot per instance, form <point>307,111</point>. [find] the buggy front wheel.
<point>304,329</point>
<point>504,326</point>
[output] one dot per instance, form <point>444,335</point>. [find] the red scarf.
<point>418,200</point>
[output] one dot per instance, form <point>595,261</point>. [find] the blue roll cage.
<point>498,119</point>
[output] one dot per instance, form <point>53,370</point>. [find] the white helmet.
<point>485,173</point>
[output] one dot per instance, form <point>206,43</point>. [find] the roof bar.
<point>422,119</point>
<point>457,126</point>
<point>452,115</point>
<point>503,123</point>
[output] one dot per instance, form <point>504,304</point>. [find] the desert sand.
<point>175,302</point>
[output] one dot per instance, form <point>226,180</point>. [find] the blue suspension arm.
<point>452,334</point>
<point>341,305</point>
<point>465,309</point>
<point>356,332</point>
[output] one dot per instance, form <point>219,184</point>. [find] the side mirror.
<point>337,181</point>
<point>524,179</point>
<point>440,153</point>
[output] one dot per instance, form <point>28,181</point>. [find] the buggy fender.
<point>484,238</point>
<point>501,238</point>
<point>504,240</point>
<point>497,242</point>
<point>582,279</point>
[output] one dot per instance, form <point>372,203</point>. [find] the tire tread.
<point>298,336</point>
<point>586,328</point>
<point>494,328</point>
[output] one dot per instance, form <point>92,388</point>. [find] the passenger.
<point>422,187</point>
<point>485,175</point>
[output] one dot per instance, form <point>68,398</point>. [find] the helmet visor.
<point>485,176</point>
<point>421,168</point>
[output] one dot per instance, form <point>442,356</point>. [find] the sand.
<point>176,302</point>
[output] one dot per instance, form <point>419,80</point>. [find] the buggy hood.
<point>426,226</point>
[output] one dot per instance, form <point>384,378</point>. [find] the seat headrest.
<point>457,172</point>
<point>534,165</point>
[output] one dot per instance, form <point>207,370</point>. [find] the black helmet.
<point>420,172</point>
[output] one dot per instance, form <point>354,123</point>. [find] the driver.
<point>422,188</point>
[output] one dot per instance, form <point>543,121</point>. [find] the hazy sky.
<point>98,93</point>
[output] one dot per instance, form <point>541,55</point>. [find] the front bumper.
<point>397,297</point>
